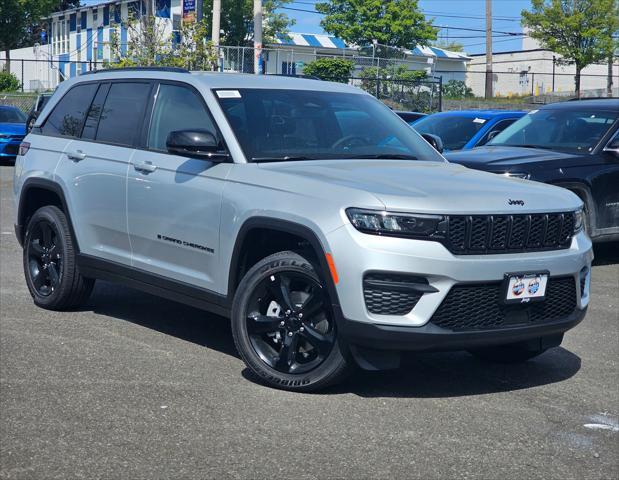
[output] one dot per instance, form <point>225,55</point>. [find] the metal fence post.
<point>440,93</point>
<point>532,84</point>
<point>22,75</point>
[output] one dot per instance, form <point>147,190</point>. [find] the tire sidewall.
<point>51,215</point>
<point>303,381</point>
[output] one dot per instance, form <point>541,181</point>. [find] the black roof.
<point>588,103</point>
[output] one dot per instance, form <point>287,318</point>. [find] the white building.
<point>78,40</point>
<point>536,71</point>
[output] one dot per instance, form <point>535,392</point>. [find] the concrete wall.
<point>530,73</point>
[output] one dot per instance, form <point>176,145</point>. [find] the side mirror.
<point>195,143</point>
<point>492,134</point>
<point>434,140</point>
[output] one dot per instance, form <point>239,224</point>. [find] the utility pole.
<point>609,81</point>
<point>258,36</point>
<point>216,22</point>
<point>488,92</point>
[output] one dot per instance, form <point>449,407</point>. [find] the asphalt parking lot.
<point>133,386</point>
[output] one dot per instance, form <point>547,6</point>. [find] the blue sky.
<point>506,15</point>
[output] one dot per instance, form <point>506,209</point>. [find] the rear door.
<point>174,202</point>
<point>95,167</point>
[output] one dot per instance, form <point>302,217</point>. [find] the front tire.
<point>283,325</point>
<point>49,259</point>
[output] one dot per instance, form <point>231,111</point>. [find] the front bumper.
<point>355,254</point>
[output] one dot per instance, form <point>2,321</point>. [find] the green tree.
<point>397,23</point>
<point>451,46</point>
<point>581,31</point>
<point>20,21</point>
<point>237,20</point>
<point>457,89</point>
<point>331,68</point>
<point>8,82</point>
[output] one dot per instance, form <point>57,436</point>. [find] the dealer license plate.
<point>525,287</point>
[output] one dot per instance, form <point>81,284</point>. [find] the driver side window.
<point>176,108</point>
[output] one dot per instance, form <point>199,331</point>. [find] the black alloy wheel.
<point>45,258</point>
<point>288,322</point>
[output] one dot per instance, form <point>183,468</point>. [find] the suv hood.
<point>417,186</point>
<point>504,158</point>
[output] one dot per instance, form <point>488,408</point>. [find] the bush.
<point>8,82</point>
<point>457,89</point>
<point>334,69</point>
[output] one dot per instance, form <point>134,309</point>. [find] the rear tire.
<point>284,328</point>
<point>49,259</point>
<point>511,353</point>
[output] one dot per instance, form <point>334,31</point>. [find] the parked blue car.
<point>465,129</point>
<point>12,130</point>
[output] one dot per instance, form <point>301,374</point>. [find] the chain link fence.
<point>23,102</point>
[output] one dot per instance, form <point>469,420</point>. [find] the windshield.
<point>279,125</point>
<point>11,115</point>
<point>569,130</point>
<point>454,130</point>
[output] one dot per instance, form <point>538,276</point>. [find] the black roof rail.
<point>138,69</point>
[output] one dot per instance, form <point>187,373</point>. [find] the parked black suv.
<point>571,144</point>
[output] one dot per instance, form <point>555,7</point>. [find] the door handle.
<point>145,167</point>
<point>76,156</point>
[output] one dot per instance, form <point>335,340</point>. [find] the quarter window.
<point>67,117</point>
<point>177,108</point>
<point>122,113</point>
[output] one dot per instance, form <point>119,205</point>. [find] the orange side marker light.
<point>332,269</point>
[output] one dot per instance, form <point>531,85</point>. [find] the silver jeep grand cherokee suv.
<point>328,230</point>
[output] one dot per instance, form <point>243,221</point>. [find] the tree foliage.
<point>581,31</point>
<point>148,44</point>
<point>335,69</point>
<point>397,23</point>
<point>452,46</point>
<point>8,82</point>
<point>237,20</point>
<point>457,89</point>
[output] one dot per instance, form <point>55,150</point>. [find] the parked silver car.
<point>328,230</point>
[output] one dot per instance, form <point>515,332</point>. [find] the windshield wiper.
<point>287,158</point>
<point>386,156</point>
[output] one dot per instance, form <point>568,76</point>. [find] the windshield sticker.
<point>228,94</point>
<point>533,111</point>
<point>479,120</point>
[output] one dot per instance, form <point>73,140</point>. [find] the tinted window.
<point>495,130</point>
<point>11,115</point>
<point>122,113</point>
<point>560,129</point>
<point>276,125</point>
<point>454,130</point>
<point>68,115</point>
<point>92,119</point>
<point>177,108</point>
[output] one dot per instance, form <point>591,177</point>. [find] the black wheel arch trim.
<point>284,226</point>
<point>43,184</point>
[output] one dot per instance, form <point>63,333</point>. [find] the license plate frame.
<point>532,286</point>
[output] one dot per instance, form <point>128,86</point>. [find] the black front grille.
<point>480,306</point>
<point>391,293</point>
<point>478,234</point>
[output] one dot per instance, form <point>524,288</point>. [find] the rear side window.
<point>68,115</point>
<point>122,113</point>
<point>177,108</point>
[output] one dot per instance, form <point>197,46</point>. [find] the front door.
<point>174,202</point>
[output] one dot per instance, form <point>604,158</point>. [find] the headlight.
<point>397,224</point>
<point>579,218</point>
<point>524,176</point>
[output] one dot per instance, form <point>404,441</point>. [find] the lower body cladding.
<point>411,295</point>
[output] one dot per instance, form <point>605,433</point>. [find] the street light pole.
<point>258,36</point>
<point>216,22</point>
